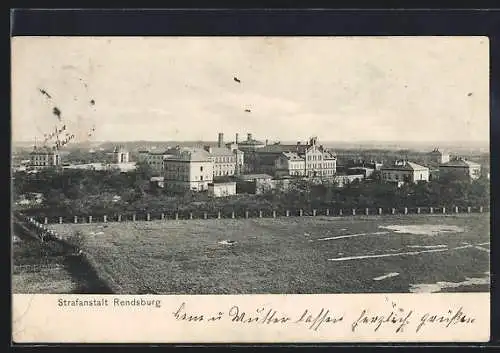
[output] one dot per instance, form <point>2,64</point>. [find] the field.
<point>406,253</point>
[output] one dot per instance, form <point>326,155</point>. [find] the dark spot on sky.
<point>236,79</point>
<point>248,110</point>
<point>45,93</point>
<point>57,112</point>
<point>406,86</point>
<point>92,102</point>
<point>469,94</point>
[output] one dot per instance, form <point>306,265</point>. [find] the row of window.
<point>224,159</point>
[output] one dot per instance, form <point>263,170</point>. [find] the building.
<point>438,157</point>
<point>342,180</point>
<point>158,181</point>
<point>122,167</point>
<point>222,189</point>
<point>365,171</point>
<point>460,168</point>
<point>309,159</point>
<point>154,160</point>
<point>290,163</point>
<point>121,155</point>
<point>188,169</point>
<point>44,157</point>
<point>405,172</point>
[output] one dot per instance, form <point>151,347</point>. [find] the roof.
<point>190,154</point>
<point>255,176</point>
<point>220,151</point>
<point>463,163</point>
<point>42,150</point>
<point>157,178</point>
<point>292,156</point>
<point>405,166</point>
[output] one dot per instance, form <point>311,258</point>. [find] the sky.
<point>413,89</point>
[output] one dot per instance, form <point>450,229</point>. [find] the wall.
<point>222,189</point>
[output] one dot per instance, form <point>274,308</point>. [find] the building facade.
<point>309,160</point>
<point>439,157</point>
<point>460,168</point>
<point>188,169</point>
<point>405,172</point>
<point>121,155</point>
<point>44,157</point>
<point>222,189</point>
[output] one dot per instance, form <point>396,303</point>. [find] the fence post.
<point>90,219</point>
<point>205,215</point>
<point>260,213</point>
<point>418,210</point>
<point>105,219</point>
<point>301,212</point>
<point>162,216</point>
<point>119,218</point>
<point>232,214</point>
<point>76,219</point>
<point>148,216</point>
<point>314,212</point>
<point>246,213</point>
<point>287,213</point>
<point>327,212</point>
<point>444,209</point>
<point>456,209</point>
<point>367,211</point>
<point>481,209</point>
<point>469,209</point>
<point>218,215</point>
<point>60,220</point>
<point>431,209</point>
<point>393,210</point>
<point>340,212</point>
<point>406,210</point>
<point>274,214</point>
<point>176,215</point>
<point>380,210</point>
<point>45,220</point>
<point>190,215</point>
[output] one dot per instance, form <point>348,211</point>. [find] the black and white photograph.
<point>250,165</point>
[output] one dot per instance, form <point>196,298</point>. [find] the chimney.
<point>221,139</point>
<point>298,143</point>
<point>267,141</point>
<point>249,137</point>
<point>236,139</point>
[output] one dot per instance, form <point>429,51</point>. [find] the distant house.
<point>158,181</point>
<point>439,157</point>
<point>188,169</point>
<point>222,189</point>
<point>44,157</point>
<point>460,168</point>
<point>405,172</point>
<point>365,171</point>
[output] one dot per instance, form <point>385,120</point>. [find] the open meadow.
<point>296,255</point>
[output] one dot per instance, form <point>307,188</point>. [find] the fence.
<point>39,223</point>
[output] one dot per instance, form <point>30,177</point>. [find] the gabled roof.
<point>189,154</point>
<point>460,163</point>
<point>292,156</point>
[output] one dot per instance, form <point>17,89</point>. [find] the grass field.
<point>407,253</point>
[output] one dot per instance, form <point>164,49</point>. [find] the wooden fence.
<point>39,223</point>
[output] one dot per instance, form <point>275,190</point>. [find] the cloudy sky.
<point>340,89</point>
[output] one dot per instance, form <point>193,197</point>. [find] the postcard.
<point>250,189</point>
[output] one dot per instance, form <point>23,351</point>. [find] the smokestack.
<point>236,140</point>
<point>221,139</point>
<point>267,141</point>
<point>249,137</point>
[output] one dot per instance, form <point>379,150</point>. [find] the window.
<point>201,177</point>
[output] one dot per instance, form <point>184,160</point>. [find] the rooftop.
<point>220,151</point>
<point>404,165</point>
<point>460,163</point>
